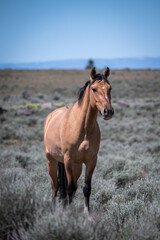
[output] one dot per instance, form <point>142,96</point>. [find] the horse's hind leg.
<point>62,182</point>
<point>52,169</point>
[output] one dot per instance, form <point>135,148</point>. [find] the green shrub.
<point>147,190</point>
<point>59,104</point>
<point>33,105</point>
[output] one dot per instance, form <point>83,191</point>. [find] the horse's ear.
<point>107,72</point>
<point>93,72</point>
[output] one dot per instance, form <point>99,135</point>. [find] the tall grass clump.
<point>68,224</point>
<point>18,202</point>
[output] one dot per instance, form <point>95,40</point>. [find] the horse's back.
<point>52,117</point>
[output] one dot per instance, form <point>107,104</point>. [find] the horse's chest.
<point>84,151</point>
<point>83,147</point>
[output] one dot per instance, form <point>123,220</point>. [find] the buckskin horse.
<point>72,137</point>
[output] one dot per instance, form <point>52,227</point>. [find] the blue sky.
<point>45,30</point>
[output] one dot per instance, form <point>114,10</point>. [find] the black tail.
<point>62,180</point>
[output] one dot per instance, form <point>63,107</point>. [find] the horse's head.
<point>100,93</point>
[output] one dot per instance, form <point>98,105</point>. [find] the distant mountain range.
<point>115,63</point>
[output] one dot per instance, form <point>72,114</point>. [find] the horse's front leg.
<point>73,172</point>
<point>90,166</point>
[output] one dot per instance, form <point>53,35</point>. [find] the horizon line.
<point>73,59</point>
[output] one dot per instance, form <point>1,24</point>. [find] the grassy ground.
<point>125,200</point>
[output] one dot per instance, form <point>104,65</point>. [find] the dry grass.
<point>125,200</point>
<point>45,81</point>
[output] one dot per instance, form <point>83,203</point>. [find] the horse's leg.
<point>90,166</point>
<point>62,182</point>
<point>73,171</point>
<point>52,169</point>
<point>76,172</point>
<point>71,186</point>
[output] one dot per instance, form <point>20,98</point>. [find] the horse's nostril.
<point>105,112</point>
<point>108,113</point>
<point>112,111</point>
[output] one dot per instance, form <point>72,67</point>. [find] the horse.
<point>72,138</point>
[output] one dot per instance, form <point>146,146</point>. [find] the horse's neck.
<point>88,115</point>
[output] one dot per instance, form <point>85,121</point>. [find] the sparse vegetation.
<point>125,200</point>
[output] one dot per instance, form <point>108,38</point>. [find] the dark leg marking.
<point>71,191</point>
<point>87,192</point>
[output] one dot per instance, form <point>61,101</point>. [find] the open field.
<point>125,199</point>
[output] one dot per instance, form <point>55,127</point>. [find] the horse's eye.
<point>94,89</point>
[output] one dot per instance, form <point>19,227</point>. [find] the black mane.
<point>81,91</point>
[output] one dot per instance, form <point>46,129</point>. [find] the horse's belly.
<point>55,152</point>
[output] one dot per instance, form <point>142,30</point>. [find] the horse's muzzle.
<point>108,114</point>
